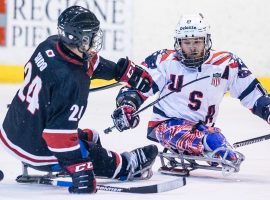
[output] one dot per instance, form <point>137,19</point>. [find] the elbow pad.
<point>262,108</point>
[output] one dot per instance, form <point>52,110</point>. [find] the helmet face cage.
<point>97,41</point>
<point>192,27</point>
<point>79,27</point>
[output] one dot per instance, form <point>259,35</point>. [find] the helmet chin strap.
<point>86,58</point>
<point>84,48</point>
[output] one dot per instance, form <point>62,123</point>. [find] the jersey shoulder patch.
<point>168,54</point>
<point>159,56</point>
<point>218,57</point>
<point>50,53</point>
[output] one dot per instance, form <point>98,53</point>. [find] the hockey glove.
<point>83,178</point>
<point>89,136</point>
<point>123,118</point>
<point>134,75</point>
<point>262,108</point>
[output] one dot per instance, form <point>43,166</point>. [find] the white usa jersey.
<point>200,100</point>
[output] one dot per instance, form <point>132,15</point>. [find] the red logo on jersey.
<point>50,53</point>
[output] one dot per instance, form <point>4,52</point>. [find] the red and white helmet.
<point>192,26</point>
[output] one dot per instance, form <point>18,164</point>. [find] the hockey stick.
<point>97,88</point>
<point>104,87</point>
<point>155,188</point>
<point>251,141</point>
<point>109,129</point>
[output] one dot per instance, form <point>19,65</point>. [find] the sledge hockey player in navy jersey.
<point>41,125</point>
<point>184,120</point>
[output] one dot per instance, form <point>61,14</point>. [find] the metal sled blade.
<point>173,171</point>
<point>190,162</point>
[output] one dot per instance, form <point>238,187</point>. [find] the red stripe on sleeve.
<point>215,55</point>
<point>166,55</point>
<point>59,140</point>
<point>220,61</point>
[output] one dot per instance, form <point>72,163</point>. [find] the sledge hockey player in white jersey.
<point>183,121</point>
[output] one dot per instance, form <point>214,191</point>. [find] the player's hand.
<point>89,136</point>
<point>123,118</point>
<point>83,178</point>
<point>134,75</point>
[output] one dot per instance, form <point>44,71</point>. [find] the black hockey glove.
<point>262,108</point>
<point>123,118</point>
<point>134,75</point>
<point>89,136</point>
<point>83,178</point>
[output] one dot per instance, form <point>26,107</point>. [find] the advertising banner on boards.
<point>26,23</point>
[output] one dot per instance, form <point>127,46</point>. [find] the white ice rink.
<point>237,123</point>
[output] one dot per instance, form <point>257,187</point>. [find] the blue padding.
<point>215,140</point>
<point>56,168</point>
<point>83,149</point>
<point>64,183</point>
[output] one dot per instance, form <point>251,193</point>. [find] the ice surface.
<point>237,123</point>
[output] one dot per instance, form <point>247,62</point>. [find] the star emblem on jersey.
<point>216,79</point>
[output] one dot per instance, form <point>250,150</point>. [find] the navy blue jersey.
<point>41,124</point>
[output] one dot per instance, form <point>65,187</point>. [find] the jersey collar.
<point>68,55</point>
